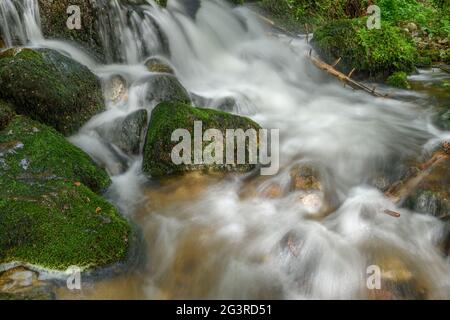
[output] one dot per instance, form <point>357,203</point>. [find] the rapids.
<point>204,238</point>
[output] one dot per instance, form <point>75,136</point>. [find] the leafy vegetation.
<point>376,52</point>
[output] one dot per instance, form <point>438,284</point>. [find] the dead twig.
<point>342,77</point>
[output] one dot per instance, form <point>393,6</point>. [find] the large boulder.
<point>170,116</point>
<point>50,87</point>
<point>51,214</point>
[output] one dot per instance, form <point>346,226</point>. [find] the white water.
<point>229,246</point>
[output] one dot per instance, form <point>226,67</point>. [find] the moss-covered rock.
<point>398,80</point>
<point>170,116</point>
<point>49,87</point>
<point>6,114</point>
<point>54,23</point>
<point>49,214</point>
<point>376,52</point>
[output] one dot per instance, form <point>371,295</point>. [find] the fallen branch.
<point>400,190</point>
<point>342,77</point>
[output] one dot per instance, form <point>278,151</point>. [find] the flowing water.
<point>251,237</point>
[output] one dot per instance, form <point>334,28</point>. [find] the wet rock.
<point>164,87</point>
<point>168,117</point>
<point>127,133</point>
<point>431,196</point>
<point>50,88</point>
<point>227,104</point>
<point>159,66</point>
<point>116,89</point>
<point>2,43</point>
<point>22,284</point>
<point>272,191</point>
<point>54,16</point>
<point>305,177</point>
<point>47,208</point>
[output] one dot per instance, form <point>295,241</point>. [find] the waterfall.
<point>228,245</point>
<point>19,22</point>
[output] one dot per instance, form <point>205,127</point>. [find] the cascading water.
<point>205,237</point>
<point>19,21</point>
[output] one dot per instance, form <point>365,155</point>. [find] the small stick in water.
<point>392,213</point>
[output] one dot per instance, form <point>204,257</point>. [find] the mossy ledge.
<point>169,116</point>
<point>50,215</point>
<point>50,87</point>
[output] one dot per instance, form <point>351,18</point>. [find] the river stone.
<point>127,132</point>
<point>170,116</point>
<point>165,87</point>
<point>305,177</point>
<point>50,87</point>
<point>116,88</point>
<point>157,65</point>
<point>50,213</point>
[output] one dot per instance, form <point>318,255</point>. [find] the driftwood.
<point>399,191</point>
<point>330,69</point>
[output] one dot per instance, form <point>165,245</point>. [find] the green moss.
<point>49,216</point>
<point>59,225</point>
<point>376,52</point>
<point>169,116</point>
<point>48,154</point>
<point>50,88</point>
<point>6,114</point>
<point>398,80</point>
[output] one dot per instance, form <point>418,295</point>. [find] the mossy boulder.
<point>50,213</point>
<point>6,114</point>
<point>50,87</point>
<point>376,53</point>
<point>170,116</point>
<point>54,23</point>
